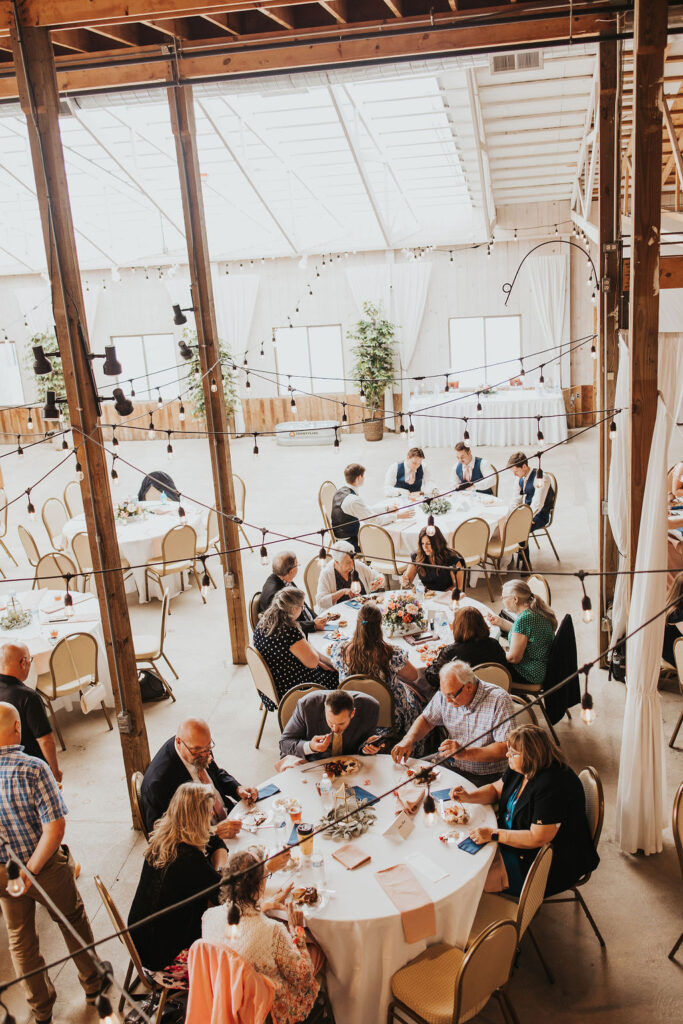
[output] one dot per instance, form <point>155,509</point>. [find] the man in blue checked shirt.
<point>32,825</point>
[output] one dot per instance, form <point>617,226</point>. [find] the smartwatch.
<point>494,837</point>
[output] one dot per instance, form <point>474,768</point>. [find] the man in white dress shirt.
<point>472,470</point>
<point>538,494</point>
<point>411,476</point>
<point>349,510</point>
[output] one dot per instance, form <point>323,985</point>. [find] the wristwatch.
<point>494,837</point>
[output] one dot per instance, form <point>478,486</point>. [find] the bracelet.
<point>299,936</point>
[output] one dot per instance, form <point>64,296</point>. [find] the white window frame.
<point>282,387</point>
<point>499,372</point>
<point>150,388</point>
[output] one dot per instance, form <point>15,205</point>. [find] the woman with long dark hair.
<point>438,566</point>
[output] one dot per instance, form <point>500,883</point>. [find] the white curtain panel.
<point>235,301</point>
<point>618,488</point>
<point>642,810</point>
<point>410,284</point>
<point>548,276</point>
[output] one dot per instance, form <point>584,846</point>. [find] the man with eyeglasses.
<point>188,757</point>
<point>285,567</point>
<point>468,709</point>
<point>36,733</point>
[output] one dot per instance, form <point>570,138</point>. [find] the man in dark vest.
<point>349,510</point>
<point>538,494</point>
<point>473,470</point>
<point>408,477</point>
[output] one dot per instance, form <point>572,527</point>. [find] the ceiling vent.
<point>522,60</point>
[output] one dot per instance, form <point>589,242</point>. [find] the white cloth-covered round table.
<point>48,607</point>
<point>140,539</point>
<point>360,929</point>
<point>439,428</point>
<point>405,532</point>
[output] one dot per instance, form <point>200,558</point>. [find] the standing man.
<point>32,824</point>
<point>349,509</point>
<point>408,477</point>
<point>285,566</point>
<point>36,733</point>
<point>472,470</point>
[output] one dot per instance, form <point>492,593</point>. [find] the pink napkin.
<point>351,856</point>
<point>408,896</point>
<point>288,761</point>
<point>409,799</point>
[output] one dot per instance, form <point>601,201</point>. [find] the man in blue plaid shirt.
<point>32,826</point>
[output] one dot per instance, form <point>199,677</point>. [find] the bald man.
<point>37,737</point>
<point>32,824</point>
<point>188,757</point>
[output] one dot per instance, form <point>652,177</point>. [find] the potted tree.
<point>195,378</point>
<point>374,365</point>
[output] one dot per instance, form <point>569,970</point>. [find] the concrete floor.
<point>635,900</point>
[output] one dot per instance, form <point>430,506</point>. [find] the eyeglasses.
<point>511,753</point>
<point>27,658</point>
<point>196,751</point>
<point>452,697</point>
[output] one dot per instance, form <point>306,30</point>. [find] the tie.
<point>218,808</point>
<point>337,742</point>
<point>468,472</point>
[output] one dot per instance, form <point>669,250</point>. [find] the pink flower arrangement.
<point>402,614</point>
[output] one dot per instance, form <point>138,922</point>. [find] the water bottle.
<point>163,498</point>
<point>419,589</point>
<point>326,793</point>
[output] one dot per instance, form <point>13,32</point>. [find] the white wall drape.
<point>618,505</point>
<point>371,283</point>
<point>548,276</point>
<point>235,301</point>
<point>641,791</point>
<point>409,287</point>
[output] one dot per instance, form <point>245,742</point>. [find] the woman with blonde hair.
<point>674,601</point>
<point>176,866</point>
<point>540,800</point>
<point>277,950</point>
<point>531,633</point>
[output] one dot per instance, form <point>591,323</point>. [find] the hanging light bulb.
<point>132,389</point>
<point>515,234</point>
<point>214,386</point>
<point>65,444</point>
<point>169,447</point>
<point>541,379</point>
<point>292,403</point>
<point>431,528</point>
<point>411,427</point>
<point>29,421</point>
<point>206,582</point>
<point>336,437</point>
<point>479,408</point>
<point>539,432</point>
<point>587,608</point>
<point>181,512</point>
<point>538,479</point>
<point>114,438</point>
<point>455,598</point>
<point>150,432</point>
<point>262,353</point>
<point>114,471</point>
<point>233,920</point>
<point>181,411</point>
<point>322,554</point>
<point>255,444</point>
<point>105,1011</point>
<point>245,361</point>
<point>160,400</point>
<point>488,250</point>
<point>247,382</point>
<point>402,428</point>
<point>361,393</point>
<point>466,434</point>
<point>446,387</point>
<point>68,599</point>
<point>587,710</point>
<point>15,883</point>
<point>612,430</point>
<point>30,508</point>
<point>522,372</point>
<point>594,351</point>
<point>345,418</point>
<point>429,807</point>
<point>263,552</point>
<point>20,450</point>
<point>556,231</point>
<point>594,298</point>
<point>355,583</point>
<point>79,472</point>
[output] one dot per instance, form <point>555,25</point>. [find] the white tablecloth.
<point>359,929</point>
<point>443,426</point>
<point>36,635</point>
<point>405,532</point>
<point>140,539</point>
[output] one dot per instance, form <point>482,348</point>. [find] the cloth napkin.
<point>409,799</point>
<point>288,761</point>
<point>268,790</point>
<point>497,878</point>
<point>350,856</point>
<point>363,794</point>
<point>405,892</point>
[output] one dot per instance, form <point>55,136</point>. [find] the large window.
<point>142,356</point>
<point>11,388</point>
<point>478,346</point>
<point>308,354</point>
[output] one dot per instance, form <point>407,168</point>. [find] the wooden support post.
<point>607,346</point>
<point>183,124</point>
<point>650,32</point>
<point>33,57</point>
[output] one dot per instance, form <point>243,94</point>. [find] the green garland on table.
<point>437,506</point>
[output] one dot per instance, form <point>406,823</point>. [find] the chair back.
<point>29,545</point>
<point>377,545</point>
<point>54,563</point>
<point>495,481</point>
<point>3,512</point>
<point>80,546</point>
<point>163,622</point>
<point>136,797</point>
<point>73,659</point>
<point>261,674</point>
<point>492,672</point>
<point>553,484</point>
<point>311,577</point>
<point>290,700</point>
<point>677,824</point>
<point>240,494</point>
<point>245,993</point>
<point>54,517</point>
<point>527,715</point>
<point>471,539</point>
<point>516,529</point>
<point>595,801</point>
<point>533,890</point>
<point>538,585</point>
<point>378,690</point>
<point>485,969</point>
<point>119,926</point>
<point>212,531</point>
<point>73,498</point>
<point>678,660</point>
<point>179,544</point>
<point>326,493</point>
<point>254,614</point>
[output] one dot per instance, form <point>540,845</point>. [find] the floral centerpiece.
<point>15,617</point>
<point>437,506</point>
<point>336,823</point>
<point>127,510</point>
<point>402,614</point>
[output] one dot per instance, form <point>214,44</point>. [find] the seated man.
<point>408,477</point>
<point>285,566</point>
<point>472,470</point>
<point>329,723</point>
<point>349,510</point>
<point>187,757</point>
<point>36,733</point>
<point>540,499</point>
<point>466,707</point>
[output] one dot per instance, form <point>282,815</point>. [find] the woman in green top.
<point>531,634</point>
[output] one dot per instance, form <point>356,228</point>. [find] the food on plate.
<point>342,623</point>
<point>455,814</point>
<point>430,776</point>
<point>307,895</point>
<point>452,837</point>
<point>333,616</point>
<point>336,635</point>
<point>254,818</point>
<point>430,593</point>
<point>341,766</point>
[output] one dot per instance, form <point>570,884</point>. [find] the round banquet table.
<point>494,427</point>
<point>140,539</point>
<point>464,505</point>
<point>359,928</point>
<point>48,608</point>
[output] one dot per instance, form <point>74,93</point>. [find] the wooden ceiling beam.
<point>78,40</point>
<point>670,272</point>
<point>228,22</point>
<point>131,35</point>
<point>279,15</point>
<point>337,8</point>
<point>396,7</point>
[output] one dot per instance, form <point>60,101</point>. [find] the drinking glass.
<point>295,813</point>
<point>305,834</point>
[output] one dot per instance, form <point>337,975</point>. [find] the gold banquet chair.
<point>539,586</point>
<point>471,541</point>
<point>178,555</point>
<point>80,548</point>
<point>311,576</point>
<point>525,714</point>
<point>240,502</point>
<point>54,519</point>
<point>492,672</point>
<point>211,540</point>
<point>136,799</point>
<point>3,526</point>
<point>443,985</point>
<point>521,912</point>
<point>374,688</point>
<point>53,564</point>
<point>544,529</point>
<point>149,647</point>
<point>495,481</point>
<point>326,493</point>
<point>377,548</point>
<point>28,543</point>
<point>678,658</point>
<point>73,668</point>
<point>264,683</point>
<point>254,615</point>
<point>677,825</point>
<point>514,539</point>
<point>73,499</point>
<point>285,708</point>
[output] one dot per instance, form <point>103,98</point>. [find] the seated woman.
<point>531,634</point>
<point>437,565</point>
<point>367,653</point>
<point>334,583</point>
<point>176,866</point>
<point>279,638</point>
<point>273,949</point>
<point>675,615</point>
<point>471,643</point>
<point>540,800</point>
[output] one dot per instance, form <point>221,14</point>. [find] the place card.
<point>400,827</point>
<point>426,867</point>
